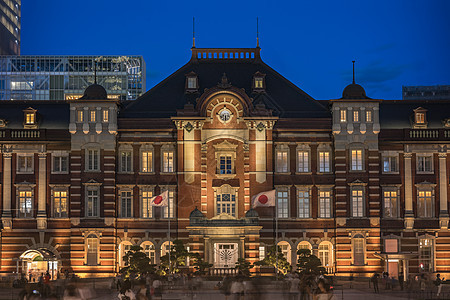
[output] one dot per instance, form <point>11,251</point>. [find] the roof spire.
<point>193,32</point>
<point>353,71</point>
<point>95,71</point>
<point>257,32</point>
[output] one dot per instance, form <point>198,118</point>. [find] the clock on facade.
<point>225,115</point>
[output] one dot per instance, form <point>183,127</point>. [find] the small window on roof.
<point>191,82</point>
<point>420,118</point>
<point>259,83</point>
<point>29,118</point>
<point>2,123</point>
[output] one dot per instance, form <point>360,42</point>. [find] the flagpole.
<point>276,237</point>
<point>168,218</point>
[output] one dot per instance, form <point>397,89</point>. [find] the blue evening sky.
<point>312,43</point>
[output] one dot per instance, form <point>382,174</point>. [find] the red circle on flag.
<point>158,200</point>
<point>263,199</point>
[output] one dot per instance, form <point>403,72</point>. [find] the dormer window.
<point>2,123</point>
<point>420,118</point>
<point>191,82</point>
<point>29,118</point>
<point>259,84</point>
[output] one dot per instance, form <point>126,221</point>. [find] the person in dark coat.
<point>375,282</point>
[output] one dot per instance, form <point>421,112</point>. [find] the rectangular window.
<point>225,164</point>
<point>226,203</point>
<point>262,252</point>
<point>60,204</point>
<point>343,116</point>
<point>282,204</point>
<point>92,116</point>
<point>60,164</point>
<point>105,116</point>
<point>30,118</point>
<point>147,161</point>
<point>168,162</point>
<point>170,207</point>
<point>424,164</point>
<point>80,116</point>
<point>303,204</point>
<point>93,160</point>
<point>390,164</point>
<point>420,118</point>
<point>357,203</point>
<point>26,204</point>
<point>368,116</point>
<point>324,162</point>
<point>426,255</point>
<point>358,244</point>
<point>425,204</point>
<point>355,116</point>
<point>303,161</point>
<point>192,83</point>
<point>325,204</point>
<point>391,245</point>
<point>147,209</point>
<point>390,201</point>
<point>258,83</point>
<point>282,161</point>
<point>92,208</point>
<point>125,161</point>
<point>125,204</point>
<point>25,163</point>
<point>357,161</point>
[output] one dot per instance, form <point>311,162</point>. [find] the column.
<point>42,191</point>
<point>6,216</point>
<point>260,155</point>
<point>409,214</point>
<point>206,249</point>
<point>350,120</point>
<point>443,208</point>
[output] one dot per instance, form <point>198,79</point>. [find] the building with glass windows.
<point>66,77</point>
<point>10,27</point>
<point>363,183</point>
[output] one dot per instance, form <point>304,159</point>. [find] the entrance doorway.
<point>226,255</point>
<point>35,262</point>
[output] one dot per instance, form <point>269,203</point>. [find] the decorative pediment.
<point>357,182</point>
<point>224,216</point>
<point>225,146</point>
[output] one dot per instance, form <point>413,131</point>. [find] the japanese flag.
<point>264,199</point>
<point>160,200</point>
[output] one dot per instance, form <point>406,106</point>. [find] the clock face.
<point>225,115</point>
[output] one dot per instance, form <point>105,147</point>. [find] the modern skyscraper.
<point>10,27</point>
<point>431,92</point>
<point>66,77</point>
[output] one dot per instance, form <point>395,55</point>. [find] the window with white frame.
<point>123,250</point>
<point>326,254</point>
<point>302,161</point>
<point>282,154</point>
<point>105,115</point>
<point>126,201</point>
<point>357,160</point>
<point>226,200</point>
<point>60,203</point>
<point>358,250</point>
<point>426,255</point>
<point>285,248</point>
<point>425,202</point>
<point>60,163</point>
<point>169,211</point>
<point>147,161</point>
<point>92,250</point>
<point>324,161</point>
<point>192,83</point>
<point>424,163</point>
<point>282,202</point>
<point>25,204</point>
<point>168,161</point>
<point>149,249</point>
<point>225,164</point>
<point>390,203</point>
<point>357,202</point>
<point>324,204</point>
<point>146,207</point>
<point>343,115</point>
<point>25,163</point>
<point>165,248</point>
<point>92,202</point>
<point>356,116</point>
<point>126,160</point>
<point>93,160</point>
<point>262,252</point>
<point>390,164</point>
<point>303,203</point>
<point>368,116</point>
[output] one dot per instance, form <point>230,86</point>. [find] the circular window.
<point>225,115</point>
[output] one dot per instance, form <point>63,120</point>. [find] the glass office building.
<point>10,27</point>
<point>66,77</point>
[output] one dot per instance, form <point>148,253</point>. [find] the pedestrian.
<point>438,283</point>
<point>375,282</point>
<point>30,275</point>
<point>237,288</point>
<point>125,292</point>
<point>401,279</point>
<point>324,292</point>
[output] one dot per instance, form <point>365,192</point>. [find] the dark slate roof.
<point>286,99</point>
<point>398,114</point>
<point>50,114</point>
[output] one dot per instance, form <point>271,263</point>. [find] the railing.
<point>222,271</point>
<point>427,134</point>
<point>22,134</point>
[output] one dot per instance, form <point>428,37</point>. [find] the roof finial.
<point>193,32</point>
<point>353,71</point>
<point>95,71</point>
<point>257,32</point>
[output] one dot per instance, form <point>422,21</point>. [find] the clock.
<point>225,115</point>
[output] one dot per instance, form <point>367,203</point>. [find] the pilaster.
<point>6,215</point>
<point>409,214</point>
<point>42,191</point>
<point>443,207</point>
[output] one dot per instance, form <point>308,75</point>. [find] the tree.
<point>308,263</point>
<point>178,255</point>
<point>200,265</point>
<point>271,260</point>
<point>243,267</point>
<point>137,263</point>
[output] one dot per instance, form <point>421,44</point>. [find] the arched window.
<point>165,248</point>
<point>124,247</point>
<point>92,250</point>
<point>149,250</point>
<point>304,245</point>
<point>286,250</point>
<point>326,254</point>
<point>226,200</point>
<point>358,250</point>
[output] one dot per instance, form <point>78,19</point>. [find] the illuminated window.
<point>125,204</point>
<point>124,248</point>
<point>420,118</point>
<point>303,203</point>
<point>426,255</point>
<point>343,115</point>
<point>324,162</point>
<point>92,250</point>
<point>355,116</point>
<point>285,248</point>
<point>25,163</point>
<point>168,161</point>
<point>357,203</point>
<point>60,204</point>
<point>105,116</point>
<point>326,254</point>
<point>358,250</point>
<point>390,164</point>
<point>30,118</point>
<point>25,204</point>
<point>324,204</point>
<point>424,163</point>
<point>147,209</point>
<point>282,161</point>
<point>92,203</point>
<point>125,161</point>
<point>226,200</point>
<point>390,201</point>
<point>303,161</point>
<point>259,83</point>
<point>149,249</point>
<point>60,164</point>
<point>262,252</point>
<point>368,116</point>
<point>147,161</point>
<point>282,202</point>
<point>93,158</point>
<point>425,204</point>
<point>357,160</point>
<point>80,116</point>
<point>169,211</point>
<point>92,116</point>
